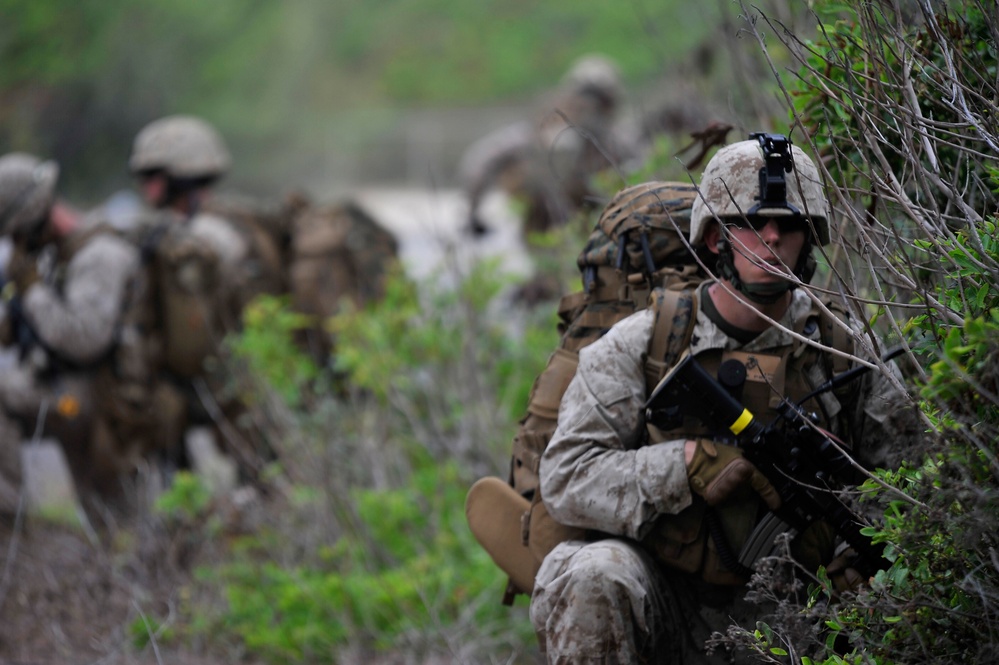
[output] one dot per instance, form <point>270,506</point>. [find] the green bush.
<point>371,548</point>
<point>267,345</point>
<point>890,99</point>
<point>412,568</point>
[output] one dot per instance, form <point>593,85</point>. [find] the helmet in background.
<point>27,191</point>
<point>734,184</point>
<point>596,74</point>
<point>183,147</point>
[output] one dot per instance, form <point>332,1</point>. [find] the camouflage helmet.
<point>182,146</point>
<point>595,73</point>
<point>27,191</point>
<point>731,188</point>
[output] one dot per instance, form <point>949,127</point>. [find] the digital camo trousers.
<point>609,602</point>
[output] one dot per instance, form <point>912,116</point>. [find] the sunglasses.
<point>785,224</point>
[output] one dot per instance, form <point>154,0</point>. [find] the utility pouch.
<point>678,541</point>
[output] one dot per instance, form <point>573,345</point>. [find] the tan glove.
<point>841,573</point>
<point>815,545</point>
<point>717,471</point>
<point>22,270</point>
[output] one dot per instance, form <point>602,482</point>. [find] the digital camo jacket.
<point>599,471</point>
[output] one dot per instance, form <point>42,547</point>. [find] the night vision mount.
<point>773,184</point>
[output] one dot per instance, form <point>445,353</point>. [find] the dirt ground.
<point>70,595</point>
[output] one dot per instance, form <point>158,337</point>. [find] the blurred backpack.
<point>337,252</point>
<point>637,250</point>
<point>266,226</point>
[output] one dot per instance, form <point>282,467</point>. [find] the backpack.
<point>637,246</point>
<point>266,227</point>
<point>337,252</point>
<point>130,411</point>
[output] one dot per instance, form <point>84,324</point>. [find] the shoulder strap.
<point>675,313</point>
<point>832,334</point>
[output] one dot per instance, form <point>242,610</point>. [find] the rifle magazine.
<point>762,541</point>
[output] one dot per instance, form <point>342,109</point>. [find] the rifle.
<point>801,460</point>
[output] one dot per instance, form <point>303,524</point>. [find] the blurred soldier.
<point>548,162</point>
<point>205,267</point>
<point>177,160</point>
<point>68,295</point>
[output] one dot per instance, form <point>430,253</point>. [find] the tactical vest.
<point>625,261</point>
<point>684,541</point>
<point>630,254</point>
<point>135,412</point>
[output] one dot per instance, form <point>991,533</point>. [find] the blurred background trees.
<point>326,95</point>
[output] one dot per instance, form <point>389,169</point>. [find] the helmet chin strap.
<point>766,293</point>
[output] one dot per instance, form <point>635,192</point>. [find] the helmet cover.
<point>27,191</point>
<point>596,73</point>
<point>185,147</point>
<point>731,183</point>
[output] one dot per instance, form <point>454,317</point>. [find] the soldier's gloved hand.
<point>22,270</point>
<point>717,470</point>
<point>842,573</point>
<point>815,545</point>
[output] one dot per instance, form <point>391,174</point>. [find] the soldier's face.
<point>153,189</point>
<point>769,253</point>
<point>764,252</point>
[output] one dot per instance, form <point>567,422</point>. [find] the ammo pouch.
<point>684,541</point>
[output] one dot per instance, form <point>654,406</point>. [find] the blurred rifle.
<point>802,461</point>
<point>14,328</point>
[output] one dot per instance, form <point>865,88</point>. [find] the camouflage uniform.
<point>207,260</point>
<point>67,323</point>
<point>623,595</point>
<point>548,162</point>
<point>596,474</point>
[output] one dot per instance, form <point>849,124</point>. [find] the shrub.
<point>899,102</point>
<point>370,549</point>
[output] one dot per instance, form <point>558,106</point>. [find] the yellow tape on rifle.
<point>741,422</point>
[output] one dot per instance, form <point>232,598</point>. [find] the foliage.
<point>185,500</point>
<point>281,81</point>
<point>379,555</point>
<point>900,104</point>
<point>466,53</point>
<point>412,569</point>
<point>394,349</point>
<point>267,345</point>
